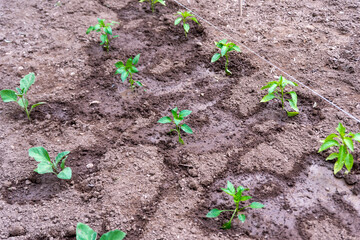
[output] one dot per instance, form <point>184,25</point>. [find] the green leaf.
<point>341,129</point>
<point>124,76</point>
<point>61,156</point>
<point>26,82</point>
<point>256,205</point>
<point>230,189</point>
<point>357,137</point>
<point>136,59</point>
<point>91,28</point>
<point>103,39</point>
<point>8,95</point>
<point>214,213</point>
<point>349,143</point>
<point>328,144</point>
<point>226,225</point>
<point>139,83</point>
<point>177,21</point>
<point>161,1</point>
<point>113,235</point>
<point>349,161</point>
<point>236,48</point>
<point>224,50</point>
<point>44,167</point>
<point>341,159</point>
<point>39,154</point>
<point>115,36</point>
<point>177,120</point>
<point>174,112</point>
<point>272,87</point>
<point>165,120</point>
<point>244,198</point>
<point>186,129</point>
<point>223,41</point>
<point>332,156</point>
<point>120,70</point>
<point>65,174</point>
<point>24,103</point>
<point>108,30</point>
<point>292,114</point>
<point>194,19</point>
<point>242,217</point>
<point>215,57</point>
<point>186,27</point>
<point>293,101</point>
<point>133,70</point>
<point>241,189</point>
<point>119,64</point>
<point>330,137</point>
<point>36,104</point>
<point>184,113</point>
<point>84,232</point>
<point>268,97</point>
<point>181,141</point>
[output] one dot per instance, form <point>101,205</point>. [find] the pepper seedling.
<point>237,197</point>
<point>185,16</point>
<point>345,145</point>
<point>177,118</point>
<point>127,70</point>
<point>153,2</point>
<point>19,95</point>
<point>84,232</point>
<point>106,32</point>
<point>276,90</point>
<point>225,49</point>
<point>47,166</point>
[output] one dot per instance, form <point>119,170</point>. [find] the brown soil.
<point>128,172</point>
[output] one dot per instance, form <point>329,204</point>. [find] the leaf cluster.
<point>225,48</point>
<point>177,118</point>
<point>345,143</point>
<point>106,31</point>
<point>19,95</point>
<point>238,197</point>
<point>276,90</point>
<point>128,69</point>
<point>47,166</point>
<point>153,2</point>
<point>185,16</point>
<point>84,232</point>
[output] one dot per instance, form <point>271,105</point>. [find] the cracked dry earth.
<point>128,172</point>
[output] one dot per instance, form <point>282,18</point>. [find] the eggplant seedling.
<point>345,144</point>
<point>177,118</point>
<point>276,90</point>
<point>127,70</point>
<point>106,32</point>
<point>185,16</point>
<point>19,95</point>
<point>225,49</point>
<point>45,165</point>
<point>237,197</point>
<point>84,232</point>
<point>153,2</point>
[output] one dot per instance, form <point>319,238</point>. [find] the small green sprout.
<point>8,95</point>
<point>153,2</point>
<point>177,120</point>
<point>47,166</point>
<point>274,92</point>
<point>84,232</point>
<point>127,70</point>
<point>225,49</point>
<point>106,32</point>
<point>237,197</point>
<point>343,156</point>
<point>184,16</point>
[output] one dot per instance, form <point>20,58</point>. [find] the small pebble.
<point>90,165</point>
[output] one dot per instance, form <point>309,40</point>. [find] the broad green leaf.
<point>65,174</point>
<point>186,27</point>
<point>177,21</point>
<point>241,189</point>
<point>8,95</point>
<point>349,143</point>
<point>44,167</point>
<point>256,205</point>
<point>330,137</point>
<point>268,97</point>
<point>177,120</point>
<point>133,69</point>
<point>84,232</point>
<point>214,213</point>
<point>230,188</point>
<point>61,156</point>
<point>341,129</point>
<point>113,235</point>
<point>115,36</point>
<point>24,103</point>
<point>39,154</point>
<point>272,88</point>
<point>36,104</point>
<point>165,120</point>
<point>215,57</point>
<point>91,28</point>
<point>338,165</point>
<point>139,83</point>
<point>174,112</point>
<point>242,217</point>
<point>103,39</point>
<point>108,30</point>
<point>128,63</point>
<point>357,137</point>
<point>136,59</point>
<point>161,1</point>
<point>292,114</point>
<point>181,141</point>
<point>349,161</point>
<point>27,81</point>
<point>226,225</point>
<point>124,76</point>
<point>236,48</point>
<point>224,50</point>
<point>184,113</point>
<point>244,198</point>
<point>186,129</point>
<point>328,144</point>
<point>97,27</point>
<point>342,153</point>
<point>194,19</point>
<point>223,41</point>
<point>293,105</point>
<point>269,84</point>
<point>119,64</point>
<point>293,102</point>
<point>332,156</point>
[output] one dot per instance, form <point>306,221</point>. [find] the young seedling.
<point>237,197</point>
<point>106,32</point>
<point>127,70</point>
<point>19,95</point>
<point>185,16</point>
<point>345,144</point>
<point>225,49</point>
<point>84,232</point>
<point>177,118</point>
<point>276,90</point>
<point>153,2</point>
<point>47,166</point>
